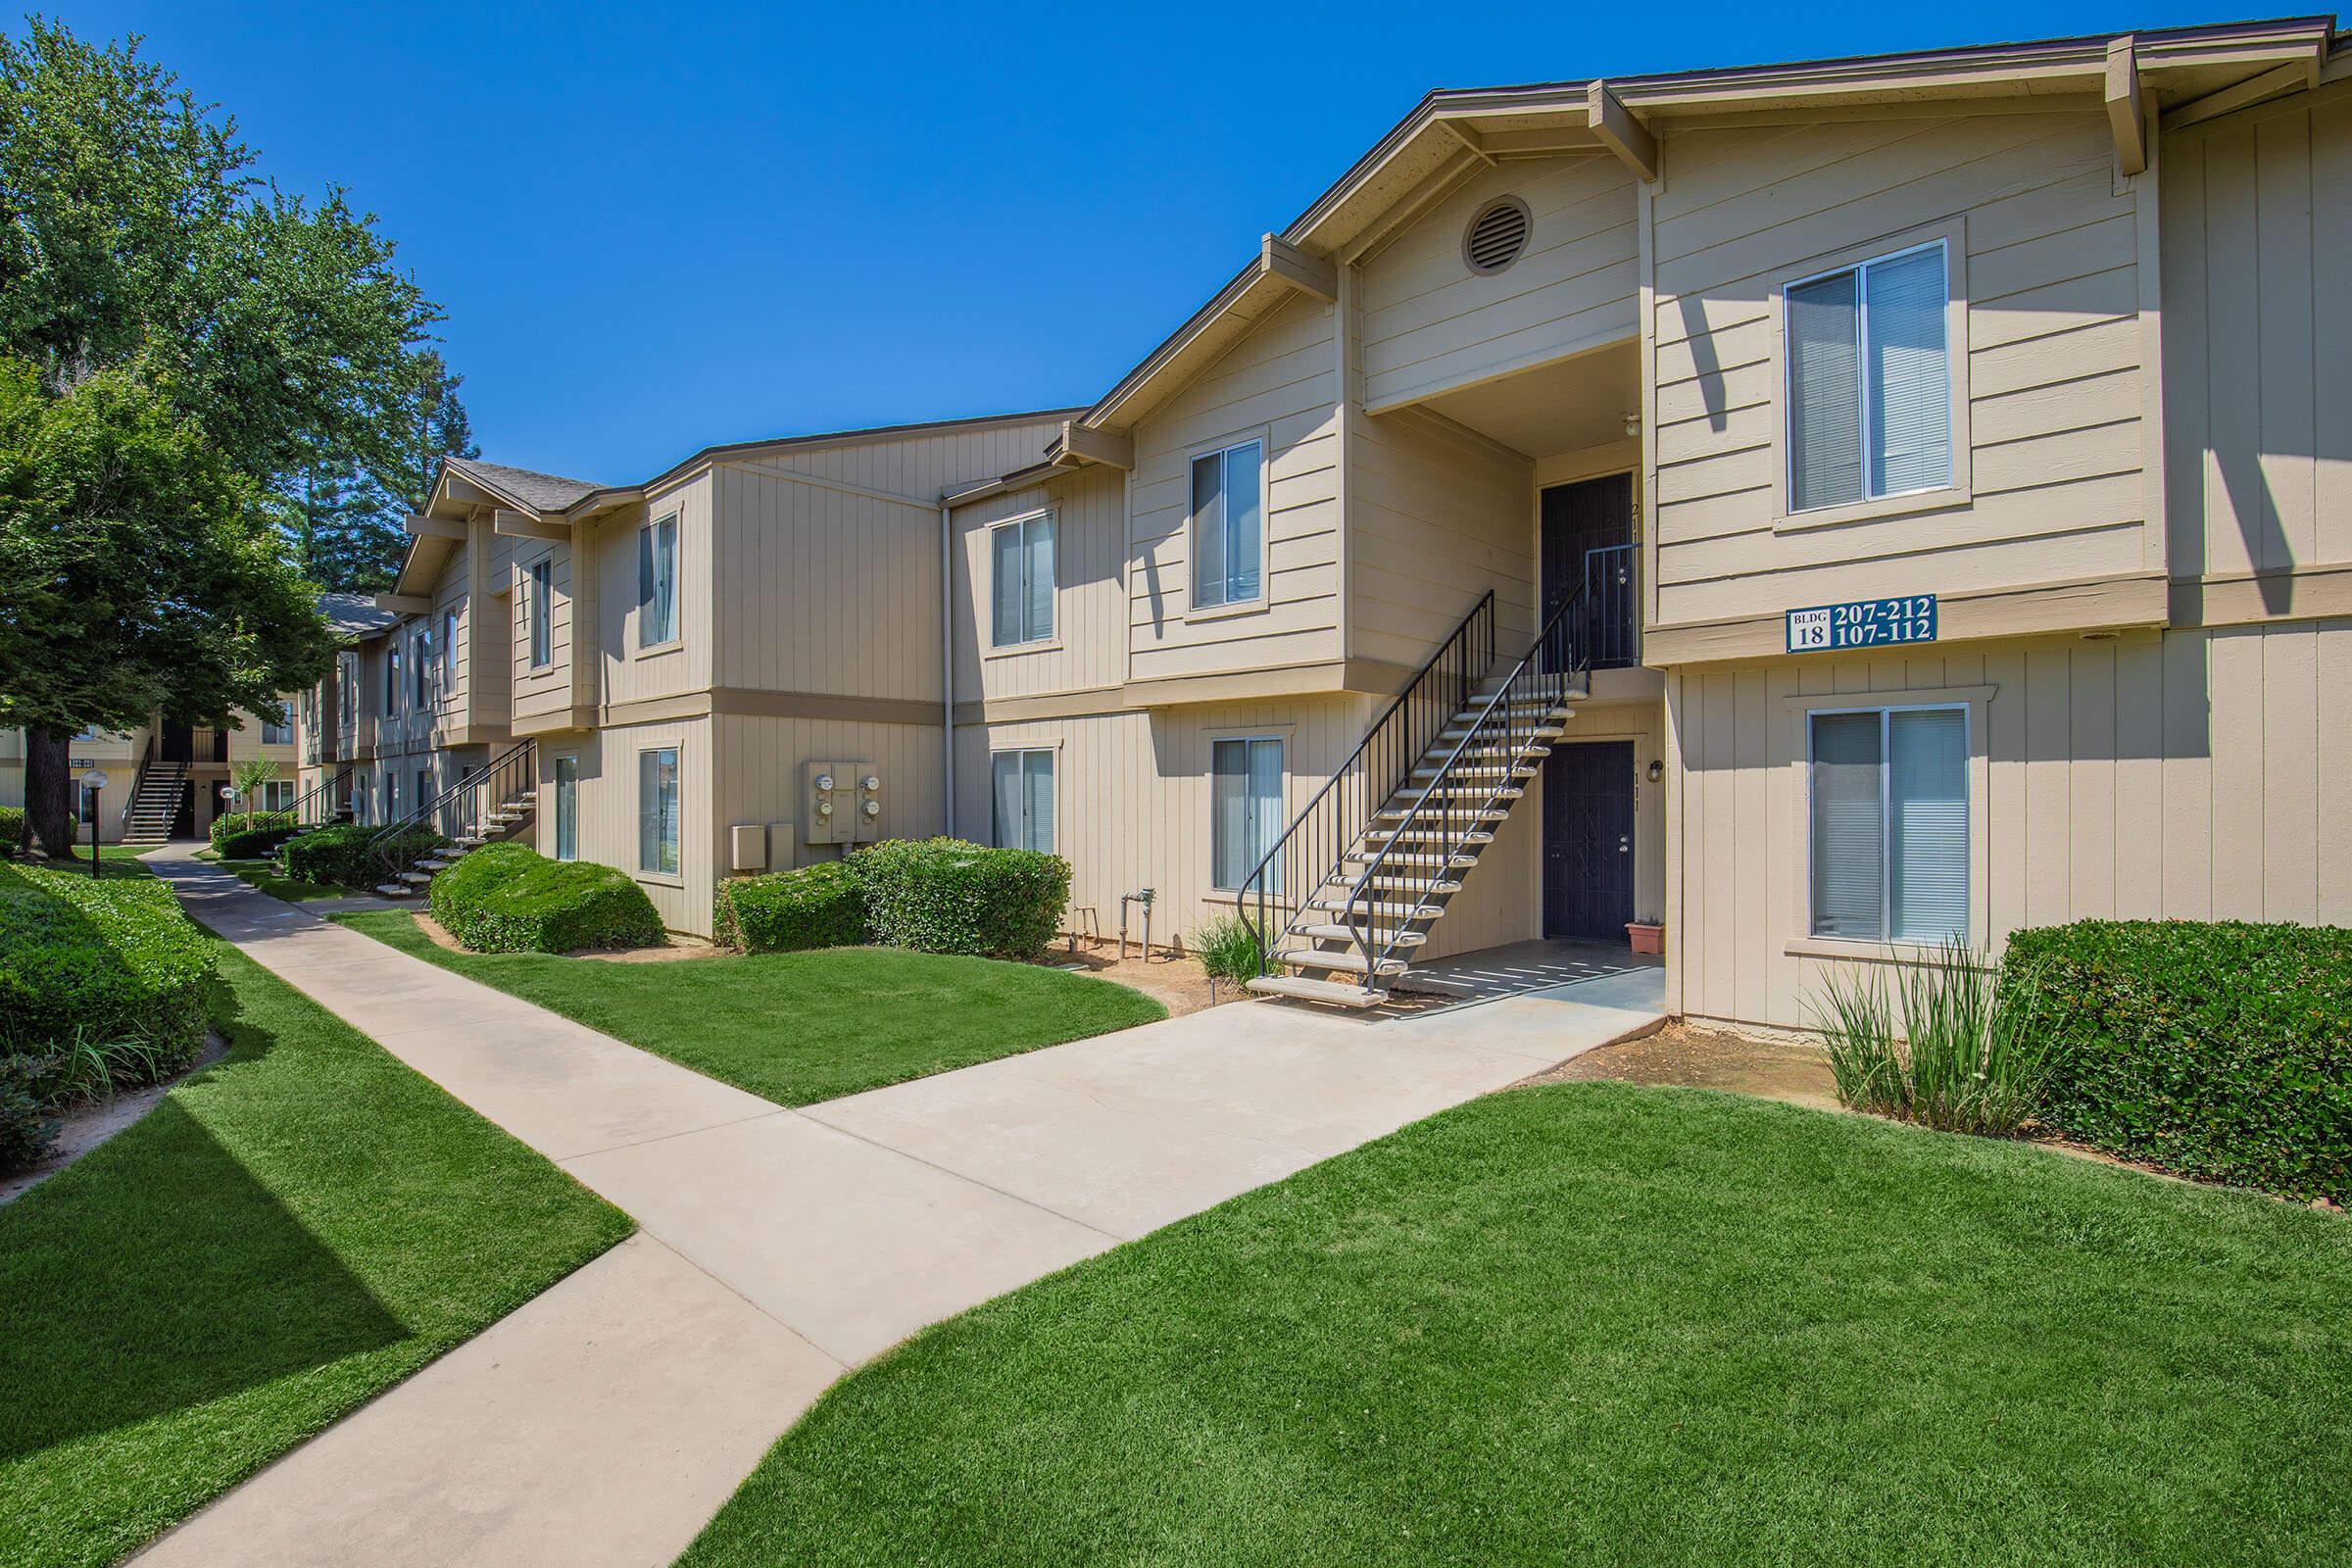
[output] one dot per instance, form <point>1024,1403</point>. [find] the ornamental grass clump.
<point>1228,951</point>
<point>1947,1043</point>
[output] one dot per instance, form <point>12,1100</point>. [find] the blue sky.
<point>654,228</point>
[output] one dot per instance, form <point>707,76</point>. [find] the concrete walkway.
<point>606,1420</point>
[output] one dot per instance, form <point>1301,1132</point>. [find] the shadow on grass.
<point>158,1273</point>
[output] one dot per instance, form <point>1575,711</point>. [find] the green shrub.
<point>820,906</point>
<point>1227,949</point>
<point>947,895</point>
<point>112,961</point>
<point>235,838</point>
<point>508,898</point>
<point>15,832</point>
<point>28,1132</point>
<point>2221,1051</point>
<point>341,855</point>
<point>1944,1045</point>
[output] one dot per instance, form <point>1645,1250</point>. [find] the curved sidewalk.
<point>606,1420</point>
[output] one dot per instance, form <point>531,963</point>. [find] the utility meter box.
<point>840,802</point>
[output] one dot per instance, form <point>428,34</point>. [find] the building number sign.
<point>1863,623</point>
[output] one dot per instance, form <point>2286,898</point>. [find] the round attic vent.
<point>1497,235</point>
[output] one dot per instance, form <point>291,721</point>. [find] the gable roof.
<point>535,491</point>
<point>352,616</point>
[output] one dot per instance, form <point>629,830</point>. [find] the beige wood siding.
<point>541,692</point>
<point>827,557</point>
<point>630,674</point>
<point>2258,345</point>
<point>609,810</point>
<point>2048,261</point>
<point>1088,650</point>
<point>1431,325</point>
<point>2186,775</point>
<point>1436,516</point>
<point>1277,385</point>
<point>1132,793</point>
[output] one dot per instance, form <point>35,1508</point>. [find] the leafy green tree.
<point>139,571</point>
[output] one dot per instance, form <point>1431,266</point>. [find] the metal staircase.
<point>489,804</point>
<point>154,800</point>
<point>1383,848</point>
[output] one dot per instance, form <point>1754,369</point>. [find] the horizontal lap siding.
<point>1430,324</point>
<point>1436,519</point>
<point>1089,647</point>
<point>1275,385</point>
<point>2257,216</point>
<point>829,590</point>
<point>2053,342</point>
<point>2187,775</point>
<point>1132,792</point>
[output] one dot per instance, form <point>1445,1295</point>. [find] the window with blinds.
<point>539,610</point>
<point>1246,807</point>
<point>1869,387</point>
<point>657,810</point>
<point>1227,537</point>
<point>1020,569</point>
<point>1889,824</point>
<point>1024,799</point>
<point>657,582</point>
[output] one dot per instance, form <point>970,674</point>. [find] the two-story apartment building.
<point>1832,508</point>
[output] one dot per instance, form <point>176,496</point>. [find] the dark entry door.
<point>179,742</point>
<point>1588,841</point>
<point>1588,544</point>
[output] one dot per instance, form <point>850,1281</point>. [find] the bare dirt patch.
<point>1176,984</point>
<point>1691,1057</point>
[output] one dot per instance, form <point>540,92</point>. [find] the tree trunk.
<point>49,792</point>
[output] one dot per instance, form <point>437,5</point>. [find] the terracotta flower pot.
<point>1646,938</point>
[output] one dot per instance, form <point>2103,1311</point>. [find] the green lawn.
<point>265,875</point>
<point>800,1027</point>
<point>1600,1324</point>
<point>288,1234</point>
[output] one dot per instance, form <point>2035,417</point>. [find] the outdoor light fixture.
<point>94,781</point>
<point>1656,771</point>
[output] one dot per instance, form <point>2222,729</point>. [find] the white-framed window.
<point>657,810</point>
<point>1228,512</point>
<point>538,611</point>
<point>420,664</point>
<point>1245,814</point>
<point>278,794</point>
<point>1869,380</point>
<point>1023,793</point>
<point>449,649</point>
<point>657,582</point>
<point>1021,566</point>
<point>276,732</point>
<point>567,808</point>
<point>1890,850</point>
<point>391,676</point>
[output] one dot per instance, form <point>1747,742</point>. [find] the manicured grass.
<point>289,1233</point>
<point>1600,1324</point>
<point>800,1027</point>
<point>264,876</point>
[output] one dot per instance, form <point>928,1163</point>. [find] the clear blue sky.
<point>653,229</point>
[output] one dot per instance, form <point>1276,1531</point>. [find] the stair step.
<point>1537,732</point>
<point>1338,962</point>
<point>1406,809</point>
<point>1416,884</point>
<point>1385,935</point>
<point>1331,993</point>
<point>1478,770</point>
<point>1376,909</point>
<point>1436,826</point>
<point>393,890</point>
<point>416,878</point>
<point>1452,862</point>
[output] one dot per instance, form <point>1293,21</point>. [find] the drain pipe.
<point>946,663</point>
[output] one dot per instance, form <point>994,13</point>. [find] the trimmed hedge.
<point>508,898</point>
<point>2222,1051</point>
<point>235,837</point>
<point>99,961</point>
<point>340,855</point>
<point>947,895</point>
<point>820,906</point>
<point>15,831</point>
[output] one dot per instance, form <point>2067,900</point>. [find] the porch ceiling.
<point>1565,405</point>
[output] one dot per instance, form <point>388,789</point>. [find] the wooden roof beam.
<point>523,525</point>
<point>2126,117</point>
<point>423,528</point>
<point>403,604</point>
<point>1286,263</point>
<point>1084,443</point>
<point>1616,128</point>
<point>2293,77</point>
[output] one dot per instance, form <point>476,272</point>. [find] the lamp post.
<point>94,780</point>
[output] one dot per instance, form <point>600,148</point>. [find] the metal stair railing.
<point>1501,733</point>
<point>461,808</point>
<point>1310,848</point>
<point>321,801</point>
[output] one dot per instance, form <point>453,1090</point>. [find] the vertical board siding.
<point>2052,354</point>
<point>1088,650</point>
<point>629,675</point>
<point>1276,385</point>
<point>539,693</point>
<point>1431,325</point>
<point>2202,775</point>
<point>2256,208</point>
